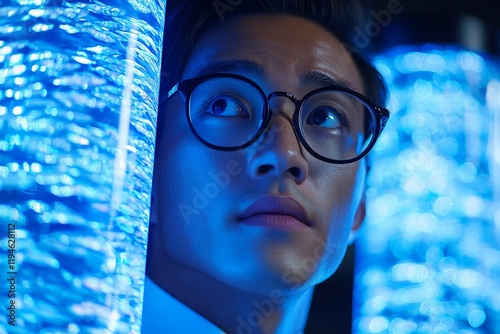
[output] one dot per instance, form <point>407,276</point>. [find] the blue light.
<point>429,258</point>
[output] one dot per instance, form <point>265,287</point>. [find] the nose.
<point>278,153</point>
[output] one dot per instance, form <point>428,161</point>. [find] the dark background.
<point>439,21</point>
<point>420,21</point>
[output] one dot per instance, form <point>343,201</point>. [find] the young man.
<point>260,169</point>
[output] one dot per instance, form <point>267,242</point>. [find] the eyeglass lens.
<point>228,112</point>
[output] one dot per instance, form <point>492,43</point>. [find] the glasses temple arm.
<point>384,117</point>
<point>171,92</point>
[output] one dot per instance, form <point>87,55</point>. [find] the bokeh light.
<point>429,258</point>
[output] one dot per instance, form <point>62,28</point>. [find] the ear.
<point>358,219</point>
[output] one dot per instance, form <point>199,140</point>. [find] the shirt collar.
<point>162,313</point>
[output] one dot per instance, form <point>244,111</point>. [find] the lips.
<point>275,211</point>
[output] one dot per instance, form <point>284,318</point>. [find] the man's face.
<point>201,195</point>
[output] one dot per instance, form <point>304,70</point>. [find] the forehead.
<point>280,49</point>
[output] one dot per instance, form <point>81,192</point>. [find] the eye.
<point>226,107</point>
<point>326,117</point>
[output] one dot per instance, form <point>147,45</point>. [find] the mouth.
<point>275,212</point>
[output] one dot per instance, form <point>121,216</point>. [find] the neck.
<point>231,309</point>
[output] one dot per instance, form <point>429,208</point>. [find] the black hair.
<point>186,20</point>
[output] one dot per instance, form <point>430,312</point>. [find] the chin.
<point>292,276</point>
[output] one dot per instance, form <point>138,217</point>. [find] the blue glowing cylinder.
<point>429,258</point>
<point>79,86</point>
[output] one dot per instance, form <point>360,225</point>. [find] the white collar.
<point>162,313</point>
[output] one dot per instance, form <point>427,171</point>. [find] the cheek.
<point>194,189</point>
<point>187,173</point>
<point>196,177</point>
<point>342,188</point>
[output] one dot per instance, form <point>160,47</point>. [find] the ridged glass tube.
<point>79,84</point>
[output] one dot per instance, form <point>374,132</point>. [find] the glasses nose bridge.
<point>288,95</point>
<point>286,116</point>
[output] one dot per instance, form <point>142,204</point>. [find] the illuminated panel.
<point>428,260</point>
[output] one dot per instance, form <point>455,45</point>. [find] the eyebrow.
<point>230,66</point>
<point>315,78</point>
<point>247,66</point>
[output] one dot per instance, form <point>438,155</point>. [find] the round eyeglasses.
<point>230,112</point>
